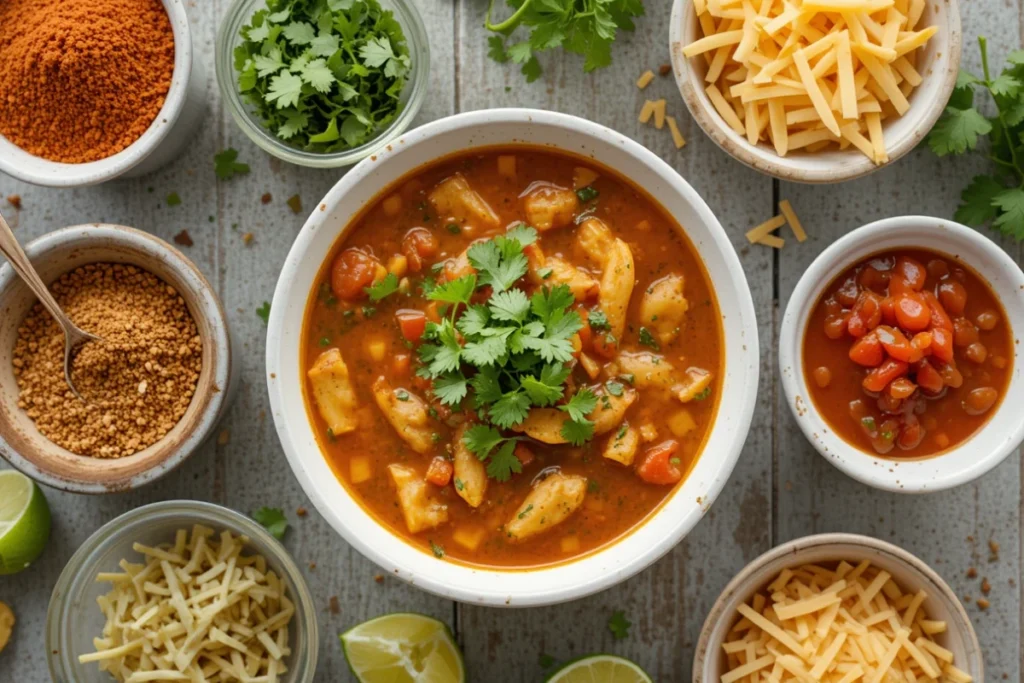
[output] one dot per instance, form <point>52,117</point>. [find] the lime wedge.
<point>403,648</point>
<point>600,669</point>
<point>24,522</point>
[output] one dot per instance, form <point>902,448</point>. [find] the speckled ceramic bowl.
<point>911,573</point>
<point>939,63</point>
<point>164,140</point>
<point>22,445</point>
<point>614,562</point>
<point>1003,432</point>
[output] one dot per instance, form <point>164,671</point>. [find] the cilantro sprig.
<point>996,198</point>
<point>323,75</point>
<point>585,27</point>
<point>507,355</point>
<point>273,520</point>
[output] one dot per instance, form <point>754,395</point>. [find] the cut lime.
<point>24,522</point>
<point>600,669</point>
<point>403,648</point>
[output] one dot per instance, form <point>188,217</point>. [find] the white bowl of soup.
<point>501,369</point>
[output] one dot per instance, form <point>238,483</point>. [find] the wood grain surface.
<point>780,490</point>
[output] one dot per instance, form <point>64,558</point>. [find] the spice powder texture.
<point>137,383</point>
<point>80,80</point>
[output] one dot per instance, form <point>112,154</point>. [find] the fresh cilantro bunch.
<point>324,75</point>
<point>586,27</point>
<point>509,354</point>
<point>999,197</point>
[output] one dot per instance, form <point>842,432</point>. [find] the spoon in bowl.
<point>74,337</point>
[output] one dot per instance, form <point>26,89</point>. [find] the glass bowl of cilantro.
<point>323,83</point>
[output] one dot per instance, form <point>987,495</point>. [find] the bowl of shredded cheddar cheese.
<point>816,91</point>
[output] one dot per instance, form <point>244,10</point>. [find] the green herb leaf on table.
<point>619,625</point>
<point>996,198</point>
<point>324,76</point>
<point>273,520</point>
<point>584,28</point>
<point>264,312</point>
<point>227,166</point>
<point>173,199</point>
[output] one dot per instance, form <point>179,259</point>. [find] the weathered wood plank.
<point>949,530</point>
<point>669,601</point>
<point>254,468</point>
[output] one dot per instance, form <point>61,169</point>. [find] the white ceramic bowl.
<point>24,447</point>
<point>1004,431</point>
<point>165,138</point>
<point>911,573</point>
<point>938,63</point>
<point>680,512</point>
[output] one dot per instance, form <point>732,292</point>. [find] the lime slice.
<point>403,648</point>
<point>600,669</point>
<point>24,522</point>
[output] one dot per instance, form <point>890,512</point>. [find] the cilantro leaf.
<point>496,49</point>
<point>451,389</point>
<point>227,166</point>
<point>580,405</point>
<point>487,351</point>
<point>976,207</point>
<point>509,306</point>
<point>486,387</point>
<point>619,625</point>
<point>384,288</point>
<point>299,33</point>
<point>647,339</point>
<point>284,90</point>
<point>1010,220</point>
<point>456,291</point>
<point>957,130</point>
<point>511,409</point>
<point>264,312</point>
<point>503,462</point>
<point>273,520</point>
<point>500,261</point>
<point>1006,85</point>
<point>598,320</point>
<point>481,440</point>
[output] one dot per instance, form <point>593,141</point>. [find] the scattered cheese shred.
<point>811,74</point>
<point>659,114</point>
<point>677,137</point>
<point>794,223</point>
<point>758,232</point>
<point>199,610</point>
<point>647,111</point>
<point>835,625</point>
<point>645,79</point>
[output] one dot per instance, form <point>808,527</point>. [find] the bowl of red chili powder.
<point>95,89</point>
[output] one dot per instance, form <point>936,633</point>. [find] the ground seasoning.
<point>80,80</point>
<point>137,383</point>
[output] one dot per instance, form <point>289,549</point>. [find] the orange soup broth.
<point>616,501</point>
<point>942,415</point>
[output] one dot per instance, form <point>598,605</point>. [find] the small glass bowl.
<point>413,94</point>
<point>73,618</point>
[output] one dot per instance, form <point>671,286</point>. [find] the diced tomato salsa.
<point>907,353</point>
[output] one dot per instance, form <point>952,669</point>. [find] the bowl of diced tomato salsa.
<point>899,357</point>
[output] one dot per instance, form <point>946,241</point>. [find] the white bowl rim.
<point>97,235</point>
<point>958,465</point>
<point>843,165</point>
<point>59,174</point>
<point>740,586</point>
<point>517,587</point>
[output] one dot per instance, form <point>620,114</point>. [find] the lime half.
<point>403,648</point>
<point>24,522</point>
<point>600,669</point>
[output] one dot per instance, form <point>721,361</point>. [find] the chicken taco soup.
<point>512,355</point>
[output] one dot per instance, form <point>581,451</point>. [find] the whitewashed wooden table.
<point>781,489</point>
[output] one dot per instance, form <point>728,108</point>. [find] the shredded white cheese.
<point>198,611</point>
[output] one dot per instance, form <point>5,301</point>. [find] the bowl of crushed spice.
<point>153,390</point>
<point>96,89</point>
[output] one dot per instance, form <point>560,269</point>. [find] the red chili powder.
<point>80,80</point>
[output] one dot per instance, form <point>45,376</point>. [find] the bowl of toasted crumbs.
<point>820,91</point>
<point>181,590</point>
<point>152,390</point>
<point>838,608</point>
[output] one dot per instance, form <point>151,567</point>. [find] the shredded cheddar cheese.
<point>811,74</point>
<point>836,625</point>
<point>645,79</point>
